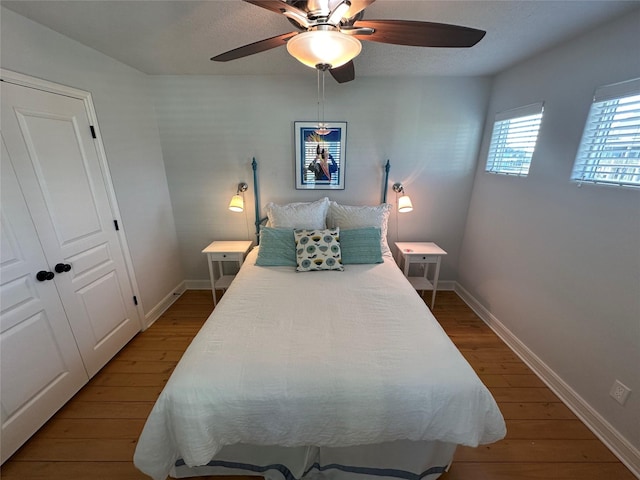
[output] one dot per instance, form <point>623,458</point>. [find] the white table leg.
<point>213,280</point>
<point>435,284</point>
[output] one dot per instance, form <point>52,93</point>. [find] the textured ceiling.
<point>178,37</point>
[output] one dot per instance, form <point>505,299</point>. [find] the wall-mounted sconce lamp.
<point>237,201</point>
<point>404,202</point>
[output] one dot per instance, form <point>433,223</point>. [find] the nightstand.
<point>423,253</point>
<point>220,252</point>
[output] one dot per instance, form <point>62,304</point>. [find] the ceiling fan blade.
<point>420,34</point>
<point>345,73</point>
<point>256,47</point>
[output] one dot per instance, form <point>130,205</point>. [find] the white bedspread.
<point>319,358</point>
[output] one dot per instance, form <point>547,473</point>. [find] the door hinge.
<point>135,300</point>
<point>93,131</point>
<point>115,223</point>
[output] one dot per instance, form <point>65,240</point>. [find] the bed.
<point>336,374</point>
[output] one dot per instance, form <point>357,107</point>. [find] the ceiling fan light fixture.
<point>322,129</point>
<point>324,47</point>
<point>339,12</point>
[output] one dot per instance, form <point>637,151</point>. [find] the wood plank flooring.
<point>94,435</point>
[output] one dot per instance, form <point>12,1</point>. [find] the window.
<point>609,151</point>
<point>513,140</point>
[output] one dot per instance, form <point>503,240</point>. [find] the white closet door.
<point>49,139</point>
<point>40,365</point>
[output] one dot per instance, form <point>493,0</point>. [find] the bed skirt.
<point>385,461</point>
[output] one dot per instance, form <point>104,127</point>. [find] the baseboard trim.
<point>164,304</point>
<point>448,285</point>
<point>619,445</point>
<point>198,284</point>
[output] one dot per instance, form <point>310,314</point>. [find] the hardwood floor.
<point>94,435</point>
<point>544,439</point>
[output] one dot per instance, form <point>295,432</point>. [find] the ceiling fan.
<point>329,34</point>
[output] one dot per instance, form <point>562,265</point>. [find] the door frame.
<point>51,87</point>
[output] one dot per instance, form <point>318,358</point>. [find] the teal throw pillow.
<point>277,248</point>
<point>361,245</point>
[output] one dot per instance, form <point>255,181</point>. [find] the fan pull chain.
<point>322,127</point>
<point>318,70</point>
<point>323,74</point>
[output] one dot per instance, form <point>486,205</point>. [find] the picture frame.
<point>320,158</point>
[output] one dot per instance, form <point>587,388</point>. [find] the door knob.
<point>43,275</point>
<point>62,267</point>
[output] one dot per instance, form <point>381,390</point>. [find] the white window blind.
<point>609,151</point>
<point>513,140</point>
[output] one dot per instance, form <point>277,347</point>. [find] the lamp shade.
<point>324,47</point>
<point>236,204</point>
<point>404,204</point>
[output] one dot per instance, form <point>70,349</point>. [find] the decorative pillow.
<point>347,216</point>
<point>318,250</point>
<point>277,248</point>
<point>308,216</point>
<point>361,245</point>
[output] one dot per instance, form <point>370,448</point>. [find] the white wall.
<point>211,127</point>
<point>559,265</point>
<point>126,119</point>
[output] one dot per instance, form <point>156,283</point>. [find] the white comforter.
<point>318,358</point>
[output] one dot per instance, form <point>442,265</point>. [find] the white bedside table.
<point>424,253</point>
<point>220,252</point>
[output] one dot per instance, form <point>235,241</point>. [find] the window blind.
<point>609,151</point>
<point>513,140</point>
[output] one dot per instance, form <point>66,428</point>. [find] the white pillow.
<point>309,216</point>
<point>348,216</point>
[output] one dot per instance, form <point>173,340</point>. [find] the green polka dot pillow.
<point>318,250</point>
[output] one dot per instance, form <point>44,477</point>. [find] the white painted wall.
<point>559,265</point>
<point>211,127</point>
<point>126,119</point>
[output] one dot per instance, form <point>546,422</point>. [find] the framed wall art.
<point>320,155</point>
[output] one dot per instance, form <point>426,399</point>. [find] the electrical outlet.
<point>620,392</point>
